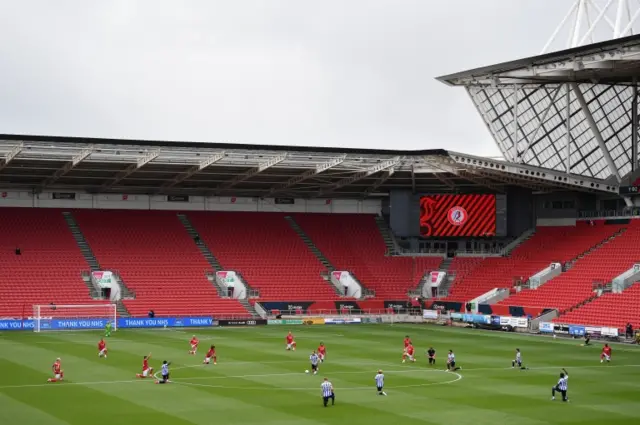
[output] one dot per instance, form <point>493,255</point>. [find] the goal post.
<point>53,317</point>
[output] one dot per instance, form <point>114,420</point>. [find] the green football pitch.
<point>256,381</point>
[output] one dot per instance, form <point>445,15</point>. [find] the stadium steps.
<point>443,267</point>
<point>121,309</point>
<point>90,257</point>
<point>524,237</point>
<point>204,249</point>
<point>312,247</point>
<point>247,305</point>
<point>569,264</point>
<point>386,234</point>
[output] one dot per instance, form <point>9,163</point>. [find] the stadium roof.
<point>159,167</point>
<point>528,104</point>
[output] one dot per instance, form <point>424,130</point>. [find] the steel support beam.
<point>514,137</point>
<point>68,167</point>
<point>567,143</point>
<point>141,162</point>
<point>307,174</point>
<point>634,126</point>
<point>596,132</point>
<point>361,175</point>
<point>11,154</point>
<point>193,170</point>
<point>540,125</point>
<point>383,178</point>
<point>252,172</point>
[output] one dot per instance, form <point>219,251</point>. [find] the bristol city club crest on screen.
<point>457,216</point>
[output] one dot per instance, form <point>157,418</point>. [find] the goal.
<point>52,317</point>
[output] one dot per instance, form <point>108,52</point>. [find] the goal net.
<point>51,317</point>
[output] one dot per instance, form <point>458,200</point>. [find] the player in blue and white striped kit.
<point>327,392</point>
<point>562,386</point>
<point>165,373</point>
<point>380,382</point>
<point>314,362</point>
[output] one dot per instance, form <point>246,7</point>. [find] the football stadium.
<point>423,286</point>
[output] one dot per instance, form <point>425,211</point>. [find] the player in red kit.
<point>102,348</point>
<point>322,351</point>
<point>407,342</point>
<point>211,354</point>
<point>291,343</point>
<point>606,354</point>
<point>146,369</point>
<point>408,353</point>
<point>194,345</point>
<point>58,373</point>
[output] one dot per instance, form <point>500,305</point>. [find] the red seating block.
<point>352,242</point>
<point>50,267</point>
<point>268,253</point>
<point>157,260</point>
<point>547,245</point>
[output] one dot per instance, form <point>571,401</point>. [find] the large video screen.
<point>457,215</point>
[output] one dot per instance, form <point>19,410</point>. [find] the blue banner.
<point>546,327</point>
<point>577,330</point>
<point>100,323</point>
<point>476,318</point>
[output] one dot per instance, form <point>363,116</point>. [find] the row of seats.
<point>548,244</point>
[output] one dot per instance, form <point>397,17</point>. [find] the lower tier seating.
<point>352,242</point>
<point>547,245</point>
<point>611,310</point>
<point>268,253</point>
<point>157,260</point>
<point>49,267</point>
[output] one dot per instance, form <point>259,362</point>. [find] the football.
<point>306,371</point>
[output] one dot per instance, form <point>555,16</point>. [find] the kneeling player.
<point>194,345</point>
<point>146,369</point>
<point>165,373</point>
<point>451,362</point>
<point>291,343</point>
<point>58,373</point>
<point>431,354</point>
<point>518,360</point>
<point>606,354</point>
<point>211,354</point>
<point>408,353</point>
<point>102,348</point>
<point>322,351</point>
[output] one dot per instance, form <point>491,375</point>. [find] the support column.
<point>634,126</point>
<point>567,142</point>
<point>596,132</point>
<point>514,137</point>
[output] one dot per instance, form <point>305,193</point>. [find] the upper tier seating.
<point>157,260</point>
<point>611,310</point>
<point>576,285</point>
<point>267,252</point>
<point>352,242</point>
<point>547,245</point>
<point>49,268</point>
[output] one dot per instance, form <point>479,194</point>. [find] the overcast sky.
<point>344,73</point>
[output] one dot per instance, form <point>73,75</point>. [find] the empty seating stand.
<point>268,253</point>
<point>547,245</point>
<point>352,242</point>
<point>49,267</point>
<point>157,260</point>
<point>576,285</point>
<point>610,310</point>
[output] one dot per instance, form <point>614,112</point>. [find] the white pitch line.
<point>64,384</point>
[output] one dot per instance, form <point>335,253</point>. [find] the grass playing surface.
<point>257,382</point>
